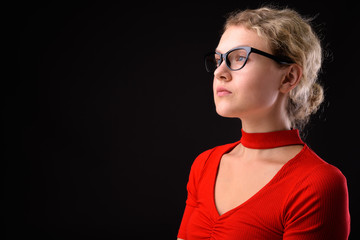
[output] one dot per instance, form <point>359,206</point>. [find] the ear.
<point>291,78</point>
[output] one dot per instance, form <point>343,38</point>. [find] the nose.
<point>222,72</point>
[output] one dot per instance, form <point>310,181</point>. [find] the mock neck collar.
<point>270,139</point>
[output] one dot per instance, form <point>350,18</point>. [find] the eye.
<point>238,55</point>
<point>217,60</point>
<point>240,58</point>
<point>237,58</point>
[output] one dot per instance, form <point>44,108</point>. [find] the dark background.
<point>109,104</point>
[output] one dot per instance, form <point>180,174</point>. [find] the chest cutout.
<point>238,180</point>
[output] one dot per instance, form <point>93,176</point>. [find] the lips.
<point>221,91</point>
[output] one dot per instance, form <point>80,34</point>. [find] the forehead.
<point>235,36</point>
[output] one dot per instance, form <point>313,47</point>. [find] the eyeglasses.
<point>236,58</point>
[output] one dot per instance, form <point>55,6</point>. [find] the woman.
<point>269,185</point>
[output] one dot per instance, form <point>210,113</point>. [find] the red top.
<point>307,199</point>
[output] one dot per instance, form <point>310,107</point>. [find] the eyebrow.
<point>217,50</point>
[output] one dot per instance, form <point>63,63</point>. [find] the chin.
<point>228,113</point>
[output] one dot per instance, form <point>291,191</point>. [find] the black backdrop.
<point>109,104</point>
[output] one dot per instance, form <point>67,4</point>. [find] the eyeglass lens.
<point>235,60</point>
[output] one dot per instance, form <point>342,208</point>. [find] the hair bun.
<point>316,97</point>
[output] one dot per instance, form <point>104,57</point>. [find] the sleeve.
<point>191,201</point>
<point>319,207</point>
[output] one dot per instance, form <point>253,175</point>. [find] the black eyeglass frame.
<point>248,50</point>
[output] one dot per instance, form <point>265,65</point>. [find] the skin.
<point>257,96</point>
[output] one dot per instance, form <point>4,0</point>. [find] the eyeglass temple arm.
<point>275,58</point>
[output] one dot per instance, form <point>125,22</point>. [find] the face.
<point>252,91</point>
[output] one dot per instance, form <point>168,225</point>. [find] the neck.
<point>264,125</point>
<point>274,119</point>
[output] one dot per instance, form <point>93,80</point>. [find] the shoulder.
<point>328,182</point>
<point>206,158</point>
<point>312,173</point>
<point>319,195</point>
<point>319,186</point>
<point>320,174</point>
<point>203,157</point>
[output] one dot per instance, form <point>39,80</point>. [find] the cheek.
<point>257,85</point>
<point>257,90</point>
<point>251,92</point>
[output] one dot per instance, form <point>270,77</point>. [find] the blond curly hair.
<point>290,36</point>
